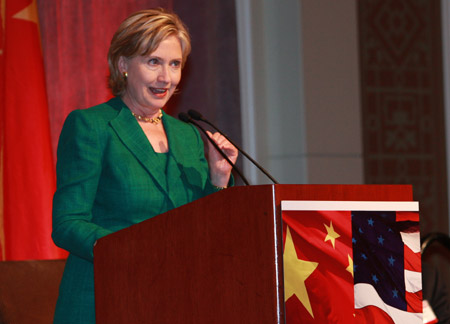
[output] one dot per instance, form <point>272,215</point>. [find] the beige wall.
<point>331,88</point>
<point>300,90</point>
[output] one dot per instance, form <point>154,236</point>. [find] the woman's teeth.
<point>158,91</point>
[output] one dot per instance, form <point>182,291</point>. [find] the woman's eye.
<point>153,61</point>
<point>176,63</point>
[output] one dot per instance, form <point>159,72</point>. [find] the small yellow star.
<point>350,265</point>
<point>29,13</point>
<point>3,14</point>
<point>296,272</point>
<point>331,234</point>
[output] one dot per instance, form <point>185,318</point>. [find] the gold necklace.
<point>154,120</point>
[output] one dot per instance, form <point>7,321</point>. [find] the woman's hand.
<point>220,169</point>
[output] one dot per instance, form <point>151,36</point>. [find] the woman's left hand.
<point>220,169</point>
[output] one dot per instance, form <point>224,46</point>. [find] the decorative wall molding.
<point>402,101</point>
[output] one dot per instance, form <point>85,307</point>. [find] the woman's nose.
<point>163,75</point>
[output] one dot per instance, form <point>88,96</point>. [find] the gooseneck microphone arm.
<point>198,116</point>
<point>185,117</point>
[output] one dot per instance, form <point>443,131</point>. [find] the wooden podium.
<point>215,260</point>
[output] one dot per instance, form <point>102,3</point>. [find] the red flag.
<point>28,169</point>
<point>323,239</point>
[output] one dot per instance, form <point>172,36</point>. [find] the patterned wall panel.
<point>402,101</point>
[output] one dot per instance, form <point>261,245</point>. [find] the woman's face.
<point>152,79</point>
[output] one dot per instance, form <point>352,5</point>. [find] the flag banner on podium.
<point>352,262</point>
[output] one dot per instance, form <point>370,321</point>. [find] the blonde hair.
<point>140,34</point>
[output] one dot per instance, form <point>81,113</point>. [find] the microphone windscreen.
<point>184,117</point>
<point>195,114</point>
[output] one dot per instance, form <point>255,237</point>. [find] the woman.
<point>125,161</point>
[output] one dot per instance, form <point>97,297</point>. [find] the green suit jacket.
<point>108,178</point>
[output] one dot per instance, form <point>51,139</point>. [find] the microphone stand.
<point>184,117</point>
<point>197,116</point>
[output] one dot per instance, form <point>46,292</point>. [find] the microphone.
<point>185,117</point>
<point>198,116</point>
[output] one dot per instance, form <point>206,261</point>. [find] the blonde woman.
<point>126,160</point>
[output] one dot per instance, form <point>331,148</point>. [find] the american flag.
<point>387,268</point>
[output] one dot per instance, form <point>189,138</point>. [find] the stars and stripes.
<point>384,268</point>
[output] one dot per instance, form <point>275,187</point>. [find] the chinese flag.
<point>27,170</point>
<point>318,267</point>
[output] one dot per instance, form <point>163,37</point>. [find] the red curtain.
<point>75,40</point>
<point>75,37</point>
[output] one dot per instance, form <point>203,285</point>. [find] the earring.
<point>125,75</point>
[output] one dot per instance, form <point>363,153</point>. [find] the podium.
<point>216,260</point>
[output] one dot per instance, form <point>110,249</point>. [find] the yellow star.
<point>3,11</point>
<point>331,234</point>
<point>29,13</point>
<point>350,265</point>
<point>295,274</point>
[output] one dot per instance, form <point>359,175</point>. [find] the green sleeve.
<point>209,187</point>
<point>78,171</point>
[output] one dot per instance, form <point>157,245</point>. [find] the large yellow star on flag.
<point>331,234</point>
<point>296,272</point>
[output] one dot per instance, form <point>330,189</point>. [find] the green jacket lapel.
<point>175,158</point>
<point>132,136</point>
<point>178,155</point>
